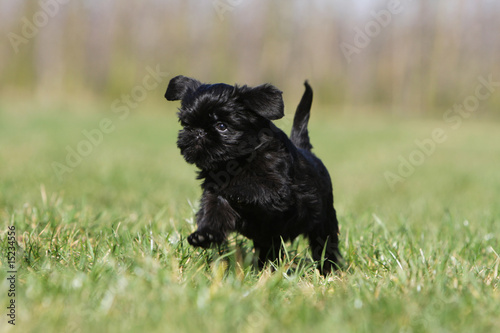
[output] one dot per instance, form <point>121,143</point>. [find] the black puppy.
<point>256,180</point>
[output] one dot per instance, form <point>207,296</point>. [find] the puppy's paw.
<point>233,193</point>
<point>202,239</point>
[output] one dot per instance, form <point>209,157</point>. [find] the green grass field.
<point>103,248</point>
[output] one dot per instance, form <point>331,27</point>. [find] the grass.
<point>104,249</point>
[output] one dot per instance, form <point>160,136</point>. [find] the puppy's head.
<point>222,122</point>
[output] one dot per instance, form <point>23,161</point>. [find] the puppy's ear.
<point>265,100</point>
<point>179,86</point>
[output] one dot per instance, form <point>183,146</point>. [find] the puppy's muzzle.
<point>200,133</point>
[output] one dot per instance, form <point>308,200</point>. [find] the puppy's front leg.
<point>267,249</point>
<point>215,219</point>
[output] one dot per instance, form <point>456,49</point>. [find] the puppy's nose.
<point>200,133</point>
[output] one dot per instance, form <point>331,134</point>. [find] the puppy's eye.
<point>221,127</point>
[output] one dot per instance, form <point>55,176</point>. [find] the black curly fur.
<point>255,180</point>
<point>300,135</point>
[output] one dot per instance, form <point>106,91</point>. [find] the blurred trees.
<point>399,56</point>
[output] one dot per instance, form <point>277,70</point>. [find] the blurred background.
<point>396,57</point>
<point>385,75</point>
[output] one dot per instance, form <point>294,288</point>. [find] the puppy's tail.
<point>300,135</point>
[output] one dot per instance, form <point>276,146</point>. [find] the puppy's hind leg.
<point>324,242</point>
<point>325,251</point>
